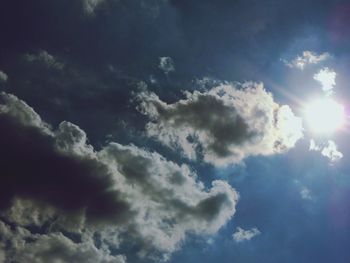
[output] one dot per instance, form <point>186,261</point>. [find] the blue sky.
<point>174,131</point>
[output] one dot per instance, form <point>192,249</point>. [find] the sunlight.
<point>324,116</point>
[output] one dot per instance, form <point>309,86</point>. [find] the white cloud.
<point>167,199</point>
<point>326,77</point>
<point>166,64</point>
<point>244,235</point>
<point>328,149</point>
<point>307,57</point>
<point>224,124</point>
<point>124,194</point>
<point>21,112</point>
<point>331,152</point>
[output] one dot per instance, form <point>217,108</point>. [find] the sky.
<point>174,131</point>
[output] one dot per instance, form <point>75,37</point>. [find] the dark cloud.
<point>71,188</point>
<point>79,61</point>
<point>22,246</point>
<point>224,124</point>
<point>31,167</point>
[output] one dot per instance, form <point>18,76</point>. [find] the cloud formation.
<point>244,235</point>
<point>326,77</point>
<point>222,125</point>
<point>44,58</point>
<point>90,5</point>
<point>120,194</point>
<point>166,64</point>
<point>307,58</point>
<point>23,246</point>
<point>3,77</point>
<point>328,149</point>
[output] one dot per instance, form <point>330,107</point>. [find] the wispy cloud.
<point>328,149</point>
<point>45,58</point>
<point>305,193</point>
<point>244,235</point>
<point>90,5</point>
<point>307,57</point>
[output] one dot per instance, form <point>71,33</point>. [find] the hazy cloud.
<point>244,235</point>
<point>224,124</point>
<point>305,193</point>
<point>91,5</point>
<point>307,57</point>
<point>3,76</point>
<point>68,186</point>
<point>44,58</point>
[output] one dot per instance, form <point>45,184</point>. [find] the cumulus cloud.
<point>328,149</point>
<point>54,180</point>
<point>3,77</point>
<point>244,235</point>
<point>307,57</point>
<point>166,64</point>
<point>224,124</point>
<point>23,246</point>
<point>326,77</point>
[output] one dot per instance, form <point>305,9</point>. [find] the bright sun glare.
<point>324,116</point>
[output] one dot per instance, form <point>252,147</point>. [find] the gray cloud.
<point>3,76</point>
<point>90,5</point>
<point>44,58</point>
<point>224,124</point>
<point>64,193</point>
<point>166,64</point>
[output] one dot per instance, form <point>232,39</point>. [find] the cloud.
<point>305,193</point>
<point>3,77</point>
<point>307,57</point>
<point>44,58</point>
<point>166,64</point>
<point>326,77</point>
<point>223,125</point>
<point>244,235</point>
<point>331,152</point>
<point>328,149</point>
<point>54,180</point>
<point>23,246</point>
<point>90,5</point>
<point>167,198</point>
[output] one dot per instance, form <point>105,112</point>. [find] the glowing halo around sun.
<point>324,115</point>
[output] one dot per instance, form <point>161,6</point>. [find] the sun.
<point>324,116</point>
